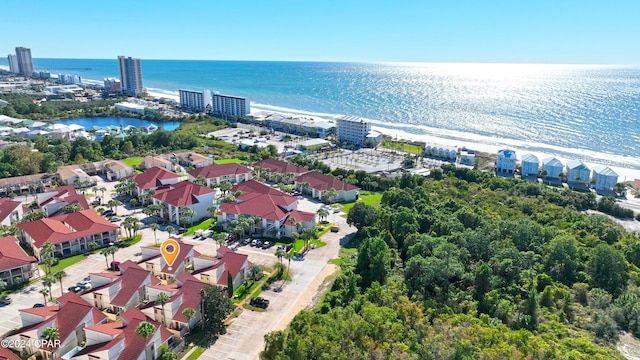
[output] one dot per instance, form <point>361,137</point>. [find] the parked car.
<point>266,244</point>
<point>38,305</point>
<point>254,242</point>
<point>259,302</point>
<point>335,229</point>
<point>108,213</point>
<point>75,289</point>
<point>95,203</point>
<point>5,300</point>
<point>207,234</point>
<point>84,284</point>
<point>114,219</point>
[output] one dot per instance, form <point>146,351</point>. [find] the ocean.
<point>590,112</point>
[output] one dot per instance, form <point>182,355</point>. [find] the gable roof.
<point>183,253</point>
<point>301,216</point>
<point>68,195</point>
<point>576,165</point>
<point>190,293</point>
<point>323,182</point>
<point>279,166</point>
<point>7,206</point>
<point>12,255</point>
<point>530,158</point>
<point>131,280</point>
<point>6,354</point>
<point>134,345</point>
<point>604,170</point>
<point>182,194</point>
<point>506,153</point>
<point>151,177</point>
<point>61,228</point>
<point>551,161</point>
<point>218,170</point>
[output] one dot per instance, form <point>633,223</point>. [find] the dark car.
<point>38,305</point>
<point>5,300</point>
<point>75,289</point>
<point>259,302</point>
<point>108,213</point>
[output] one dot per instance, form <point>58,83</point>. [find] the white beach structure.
<point>441,152</point>
<point>530,165</point>
<point>577,172</point>
<point>506,164</point>
<point>467,157</point>
<point>604,177</point>
<point>552,168</point>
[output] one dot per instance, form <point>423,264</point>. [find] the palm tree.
<point>304,186</point>
<point>289,256</point>
<point>105,252</point>
<point>48,282</point>
<point>59,276</point>
<point>112,204</point>
<point>170,230</point>
<point>187,214</point>
<point>280,253</point>
<point>46,254</point>
<point>50,334</point>
<point>134,203</point>
<point>155,227</point>
<point>145,330</point>
<point>225,186</point>
<point>102,191</point>
<point>307,235</point>
<point>322,213</point>
<point>44,293</point>
<point>212,209</point>
<point>188,313</point>
<point>113,250</point>
<point>200,180</point>
<point>220,238</point>
<point>330,195</point>
<point>162,299</point>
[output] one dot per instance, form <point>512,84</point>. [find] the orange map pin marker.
<point>170,249</point>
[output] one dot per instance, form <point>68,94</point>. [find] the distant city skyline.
<point>544,31</point>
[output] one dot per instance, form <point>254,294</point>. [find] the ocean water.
<point>590,112</point>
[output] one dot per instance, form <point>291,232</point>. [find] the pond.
<point>107,121</point>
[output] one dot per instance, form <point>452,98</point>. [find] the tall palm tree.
<point>322,213</point>
<point>289,256</point>
<point>44,293</point>
<point>212,210</point>
<point>304,186</point>
<point>307,235</point>
<point>155,227</point>
<point>48,282</point>
<point>220,238</point>
<point>162,299</point>
<point>330,195</point>
<point>145,330</point>
<point>280,253</point>
<point>225,186</point>
<point>187,214</point>
<point>200,180</point>
<point>50,334</point>
<point>188,313</point>
<point>59,276</point>
<point>170,230</point>
<point>46,255</point>
<point>113,250</point>
<point>105,252</point>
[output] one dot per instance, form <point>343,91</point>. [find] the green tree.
<point>373,261</point>
<point>322,213</point>
<point>188,313</point>
<point>608,269</point>
<point>155,228</point>
<point>162,300</point>
<point>44,291</point>
<point>361,215</point>
<point>51,334</point>
<point>48,282</point>
<point>71,208</point>
<point>229,285</point>
<point>59,275</point>
<point>216,306</point>
<point>145,330</point>
<point>562,259</point>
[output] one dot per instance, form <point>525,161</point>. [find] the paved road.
<point>245,336</point>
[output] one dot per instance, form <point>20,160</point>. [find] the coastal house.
<point>115,293</point>
<point>551,168</point>
<point>18,184</point>
<point>53,199</point>
<point>317,184</point>
<point>215,270</point>
<point>154,178</point>
<point>604,178</point>
<point>449,154</point>
<point>153,261</point>
<point>116,170</point>
<point>70,315</point>
<point>352,130</point>
<point>70,233</point>
<point>156,161</point>
<point>59,131</point>
<point>215,174</point>
<point>118,340</point>
<point>15,264</point>
<point>192,159</point>
<point>506,163</point>
<point>577,172</point>
<point>530,166</point>
<point>10,211</point>
<point>74,175</point>
<point>278,171</point>
<point>467,157</point>
<point>273,207</point>
<point>374,138</point>
<point>184,194</point>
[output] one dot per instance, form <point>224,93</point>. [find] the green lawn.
<point>134,162</point>
<point>196,353</point>
<point>66,262</point>
<point>400,146</point>
<point>206,224</point>
<point>372,199</point>
<point>228,161</point>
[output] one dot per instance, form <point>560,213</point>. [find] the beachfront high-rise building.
<point>25,62</point>
<point>230,105</point>
<point>112,85</point>
<point>130,75</point>
<point>353,130</point>
<point>13,64</point>
<point>69,79</point>
<point>200,101</point>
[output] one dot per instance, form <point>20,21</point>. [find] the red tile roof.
<point>7,206</point>
<point>253,188</point>
<point>62,228</point>
<point>6,354</point>
<point>44,312</point>
<point>110,328</point>
<point>189,292</point>
<point>150,179</point>
<point>185,251</point>
<point>280,167</point>
<point>301,216</point>
<point>68,195</point>
<point>182,194</point>
<point>12,255</point>
<point>134,345</point>
<point>215,171</point>
<point>259,199</point>
<point>232,263</point>
<point>132,280</point>
<point>323,182</point>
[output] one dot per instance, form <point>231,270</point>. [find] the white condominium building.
<point>25,62</point>
<point>353,130</point>
<point>230,105</point>
<point>130,75</point>
<point>13,64</point>
<point>196,100</point>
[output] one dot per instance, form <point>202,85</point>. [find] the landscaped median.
<point>204,225</point>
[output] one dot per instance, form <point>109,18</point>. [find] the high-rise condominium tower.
<point>25,63</point>
<point>130,75</point>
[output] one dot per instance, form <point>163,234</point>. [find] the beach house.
<point>551,168</point>
<point>467,157</point>
<point>530,165</point>
<point>506,163</point>
<point>577,172</point>
<point>604,178</point>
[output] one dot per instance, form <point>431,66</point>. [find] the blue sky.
<point>540,31</point>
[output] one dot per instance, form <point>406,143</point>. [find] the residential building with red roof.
<point>61,196</point>
<point>185,194</point>
<point>278,171</point>
<point>271,205</point>
<point>70,315</point>
<point>70,233</point>
<point>320,183</point>
<point>215,174</point>
<point>153,261</point>
<point>15,264</point>
<point>6,354</point>
<point>184,294</point>
<point>10,211</point>
<point>154,178</point>
<point>215,270</point>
